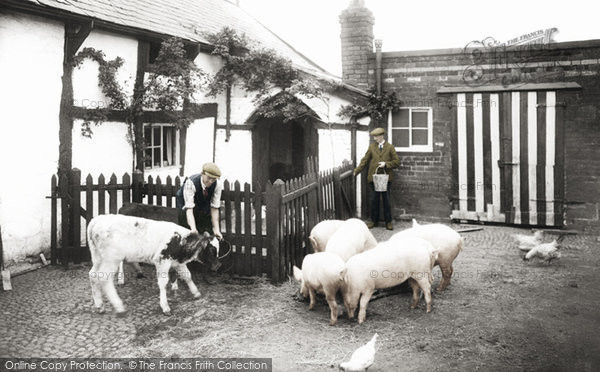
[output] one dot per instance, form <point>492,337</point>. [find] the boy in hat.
<point>379,154</point>
<point>199,200</point>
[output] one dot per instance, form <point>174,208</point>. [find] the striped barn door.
<point>507,161</point>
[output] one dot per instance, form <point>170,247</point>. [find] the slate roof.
<point>187,19</point>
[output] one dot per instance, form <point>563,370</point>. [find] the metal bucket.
<point>380,180</point>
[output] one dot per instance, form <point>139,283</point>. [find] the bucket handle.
<point>379,167</point>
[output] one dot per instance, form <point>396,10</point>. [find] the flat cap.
<point>378,132</point>
<point>211,170</point>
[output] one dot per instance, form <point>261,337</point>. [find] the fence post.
<point>53,220</point>
<point>313,201</point>
<point>337,193</point>
<point>137,186</point>
<point>65,217</point>
<point>76,213</point>
<point>273,195</point>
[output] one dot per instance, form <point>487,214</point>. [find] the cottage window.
<point>411,129</point>
<point>161,146</point>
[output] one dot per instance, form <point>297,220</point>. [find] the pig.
<point>388,264</point>
<point>351,238</point>
<point>444,239</point>
<point>320,234</point>
<point>322,272</point>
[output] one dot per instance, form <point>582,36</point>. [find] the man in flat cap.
<point>380,154</point>
<point>199,199</point>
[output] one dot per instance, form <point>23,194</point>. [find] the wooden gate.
<point>267,228</point>
<point>508,158</point>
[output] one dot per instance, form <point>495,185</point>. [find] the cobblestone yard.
<point>499,312</point>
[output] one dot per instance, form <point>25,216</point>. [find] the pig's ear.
<point>314,244</point>
<point>342,274</point>
<point>297,274</point>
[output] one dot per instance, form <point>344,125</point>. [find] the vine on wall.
<point>377,107</point>
<point>107,80</point>
<point>262,71</point>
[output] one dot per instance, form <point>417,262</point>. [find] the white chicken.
<point>362,358</point>
<point>527,242</point>
<point>546,252</point>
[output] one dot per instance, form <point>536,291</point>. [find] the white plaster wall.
<point>334,147</point>
<point>327,107</point>
<point>107,152</point>
<point>31,53</point>
<point>363,140</point>
<point>86,92</point>
<point>199,145</point>
<point>235,156</point>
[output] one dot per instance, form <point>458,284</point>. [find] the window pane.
<point>147,134</point>
<point>156,138</point>
<point>400,137</point>
<point>400,118</point>
<point>156,157</point>
<point>419,119</point>
<point>419,136</point>
<point>168,145</point>
<point>148,158</point>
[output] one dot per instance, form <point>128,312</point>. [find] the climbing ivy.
<point>173,79</point>
<point>261,71</point>
<point>377,106</point>
<point>107,80</point>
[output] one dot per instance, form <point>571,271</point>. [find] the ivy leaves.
<point>377,107</point>
<point>107,80</point>
<point>173,79</point>
<point>262,71</point>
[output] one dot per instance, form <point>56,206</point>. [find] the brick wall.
<point>424,186</point>
<point>357,44</point>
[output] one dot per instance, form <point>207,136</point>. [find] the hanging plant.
<point>377,107</point>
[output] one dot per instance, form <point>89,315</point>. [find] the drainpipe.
<point>378,44</point>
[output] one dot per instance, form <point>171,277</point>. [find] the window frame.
<point>148,144</point>
<point>411,147</point>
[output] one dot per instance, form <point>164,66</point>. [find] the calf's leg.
<point>184,273</point>
<point>96,288</point>
<point>108,271</point>
<point>162,273</point>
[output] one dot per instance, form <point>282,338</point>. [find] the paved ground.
<point>498,313</point>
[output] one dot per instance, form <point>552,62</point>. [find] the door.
<point>508,158</point>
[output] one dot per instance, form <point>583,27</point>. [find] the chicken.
<point>362,358</point>
<point>526,242</point>
<point>546,251</point>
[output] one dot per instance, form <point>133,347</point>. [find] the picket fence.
<point>268,227</point>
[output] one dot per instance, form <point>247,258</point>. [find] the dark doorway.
<point>280,148</point>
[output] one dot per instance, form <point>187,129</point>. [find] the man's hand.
<point>382,164</point>
<point>218,234</point>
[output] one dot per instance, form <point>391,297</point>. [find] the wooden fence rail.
<point>267,228</point>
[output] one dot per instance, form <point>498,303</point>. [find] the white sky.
<point>312,26</point>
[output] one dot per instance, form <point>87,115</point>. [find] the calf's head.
<point>192,246</point>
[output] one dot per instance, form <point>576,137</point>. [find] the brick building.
<point>488,132</point>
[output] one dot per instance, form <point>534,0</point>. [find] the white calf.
<point>114,238</point>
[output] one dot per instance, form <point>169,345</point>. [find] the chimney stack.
<point>357,43</point>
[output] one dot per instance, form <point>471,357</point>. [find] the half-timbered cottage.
<point>43,99</point>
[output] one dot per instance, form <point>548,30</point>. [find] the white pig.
<point>444,239</point>
<point>322,272</point>
<point>351,238</point>
<point>320,234</point>
<point>387,265</point>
